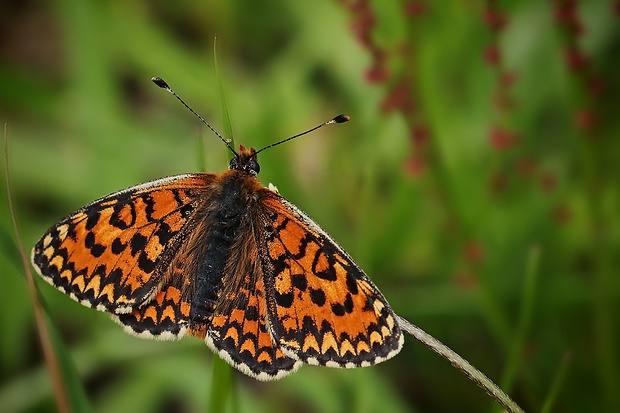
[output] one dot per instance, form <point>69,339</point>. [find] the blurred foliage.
<point>481,130</point>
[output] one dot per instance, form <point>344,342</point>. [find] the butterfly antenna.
<point>337,119</point>
<point>162,84</point>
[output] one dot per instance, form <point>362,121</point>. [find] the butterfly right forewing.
<point>322,308</point>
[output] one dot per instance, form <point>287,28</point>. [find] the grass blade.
<point>525,317</point>
<point>224,114</point>
<point>222,380</point>
<point>68,390</point>
<point>557,384</point>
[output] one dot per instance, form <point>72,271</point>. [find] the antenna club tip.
<point>160,82</point>
<point>342,118</point>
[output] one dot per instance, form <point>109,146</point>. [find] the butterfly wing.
<point>112,254</point>
<point>166,315</point>
<point>322,308</point>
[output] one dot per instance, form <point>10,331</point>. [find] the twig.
<point>460,363</point>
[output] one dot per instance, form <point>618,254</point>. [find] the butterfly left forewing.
<point>112,253</point>
<point>322,308</point>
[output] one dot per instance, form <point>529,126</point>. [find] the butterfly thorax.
<point>245,161</point>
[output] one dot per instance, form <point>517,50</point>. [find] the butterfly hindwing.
<point>241,336</point>
<point>166,315</point>
<point>112,253</point>
<point>238,329</point>
<point>322,308</point>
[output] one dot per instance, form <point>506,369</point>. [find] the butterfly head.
<point>245,161</point>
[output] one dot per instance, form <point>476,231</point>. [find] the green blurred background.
<point>477,183</point>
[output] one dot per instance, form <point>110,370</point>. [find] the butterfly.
<point>223,258</point>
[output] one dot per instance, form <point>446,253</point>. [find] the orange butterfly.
<point>223,258</point>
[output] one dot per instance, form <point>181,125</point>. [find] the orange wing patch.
<point>324,310</point>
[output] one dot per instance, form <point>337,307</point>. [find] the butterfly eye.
<point>253,167</point>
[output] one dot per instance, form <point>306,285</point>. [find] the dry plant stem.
<point>50,358</point>
<point>460,363</point>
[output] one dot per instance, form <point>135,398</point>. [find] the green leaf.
<point>224,115</point>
